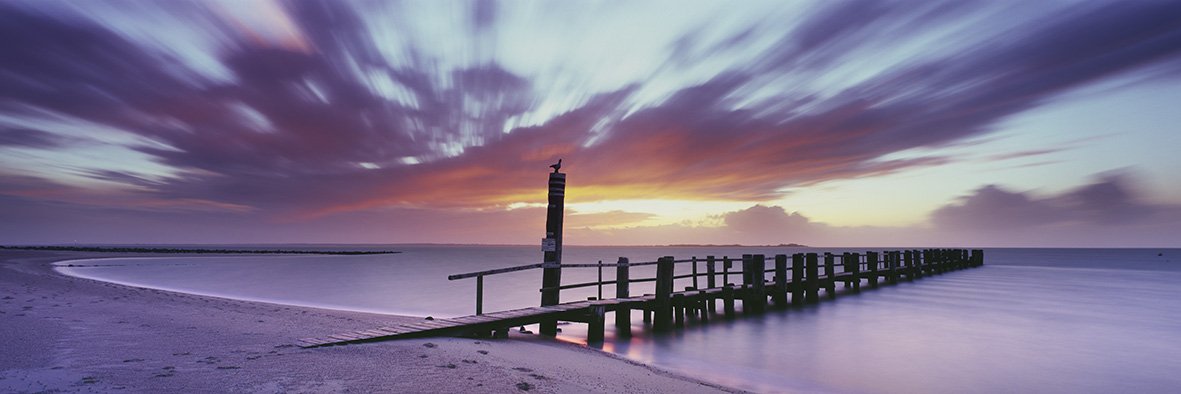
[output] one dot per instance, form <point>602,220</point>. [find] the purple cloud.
<point>331,126</point>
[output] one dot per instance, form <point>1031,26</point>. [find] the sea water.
<point>1030,320</point>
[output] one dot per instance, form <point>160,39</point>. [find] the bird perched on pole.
<point>556,166</point>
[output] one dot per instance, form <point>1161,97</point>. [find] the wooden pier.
<point>794,281</point>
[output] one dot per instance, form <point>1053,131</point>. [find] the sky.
<point>826,123</point>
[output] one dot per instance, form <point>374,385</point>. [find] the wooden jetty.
<point>668,308</point>
<point>794,281</point>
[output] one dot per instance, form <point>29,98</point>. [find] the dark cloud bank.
<point>300,166</point>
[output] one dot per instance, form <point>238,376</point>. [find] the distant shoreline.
<point>194,251</point>
<point>736,246</point>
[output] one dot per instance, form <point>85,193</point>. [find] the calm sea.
<point>1030,320</point>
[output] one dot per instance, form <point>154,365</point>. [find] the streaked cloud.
<point>308,110</point>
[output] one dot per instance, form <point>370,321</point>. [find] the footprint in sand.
<point>482,351</point>
<point>133,360</point>
<point>523,369</point>
<point>430,345</point>
<point>539,377</point>
<point>169,371</point>
<point>524,386</point>
<point>469,361</point>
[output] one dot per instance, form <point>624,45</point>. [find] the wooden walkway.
<point>793,285</point>
<point>462,326</point>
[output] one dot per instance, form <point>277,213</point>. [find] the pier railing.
<point>798,278</point>
<point>799,274</point>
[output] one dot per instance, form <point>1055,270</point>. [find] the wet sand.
<point>61,333</point>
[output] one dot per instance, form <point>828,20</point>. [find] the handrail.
<point>495,271</point>
<point>862,267</point>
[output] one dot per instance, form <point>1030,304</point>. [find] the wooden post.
<point>747,284</point>
<point>594,333</point>
<point>977,257</point>
<point>664,289</point>
<point>797,279</point>
<point>918,263</point>
<point>932,262</point>
<point>856,271</point>
<point>694,262</point>
<point>846,269</point>
<point>871,262</point>
<point>623,315</point>
<point>600,285</point>
<point>830,281</point>
<point>780,295</point>
<point>728,300</point>
<point>909,261</point>
<point>702,305</point>
<point>759,279</point>
<point>813,282</point>
<point>551,246</point>
<point>479,295</point>
<point>726,265</point>
<point>935,261</point>
<point>892,267</point>
<point>679,309</point>
<point>710,281</point>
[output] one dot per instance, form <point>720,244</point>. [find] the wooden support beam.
<point>747,283</point>
<point>892,267</point>
<point>830,275</point>
<point>710,281</point>
<point>594,331</point>
<point>871,262</point>
<point>917,260</point>
<point>780,294</point>
<point>728,300</point>
<point>679,309</point>
<point>726,265</point>
<point>623,315</point>
<point>758,292</point>
<point>694,270</point>
<point>856,260</point>
<point>813,281</point>
<point>551,277</point>
<point>480,295</point>
<point>702,304</point>
<point>662,321</point>
<point>797,279</point>
<point>908,259</point>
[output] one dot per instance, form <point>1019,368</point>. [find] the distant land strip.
<point>205,251</point>
<point>793,245</point>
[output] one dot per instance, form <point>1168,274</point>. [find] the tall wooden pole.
<point>551,246</point>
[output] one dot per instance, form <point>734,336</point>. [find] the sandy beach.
<point>62,333</point>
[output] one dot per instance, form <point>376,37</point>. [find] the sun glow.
<point>662,211</point>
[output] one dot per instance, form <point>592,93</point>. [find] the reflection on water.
<point>1029,321</point>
